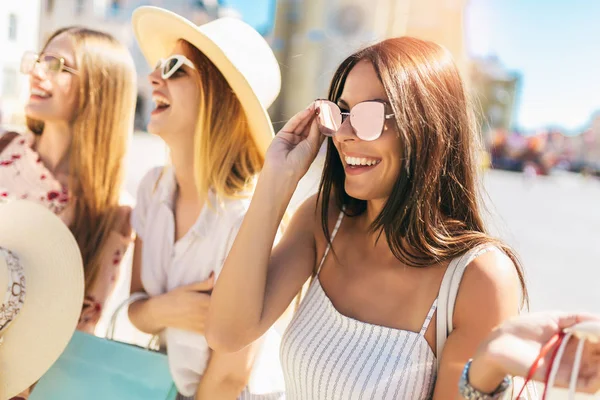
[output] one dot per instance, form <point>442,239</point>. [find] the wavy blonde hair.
<point>101,132</point>
<point>226,157</point>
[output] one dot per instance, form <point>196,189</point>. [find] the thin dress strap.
<point>429,317</point>
<point>335,231</point>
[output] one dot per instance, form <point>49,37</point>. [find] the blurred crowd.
<point>544,152</point>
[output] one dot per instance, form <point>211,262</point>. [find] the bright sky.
<point>555,44</point>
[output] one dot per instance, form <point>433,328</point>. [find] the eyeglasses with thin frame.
<point>168,66</point>
<point>50,63</point>
<point>366,118</point>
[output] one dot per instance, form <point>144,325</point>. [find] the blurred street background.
<point>532,68</point>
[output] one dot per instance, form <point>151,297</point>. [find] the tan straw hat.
<point>239,52</point>
<point>41,292</point>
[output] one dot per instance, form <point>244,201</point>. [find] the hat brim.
<point>158,43</point>
<point>54,293</point>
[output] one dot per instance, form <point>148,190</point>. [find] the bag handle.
<point>110,330</point>
<point>584,331</point>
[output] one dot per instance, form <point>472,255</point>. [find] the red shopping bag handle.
<point>554,342</point>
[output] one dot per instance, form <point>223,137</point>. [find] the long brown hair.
<point>433,213</point>
<point>226,158</point>
<point>101,131</point>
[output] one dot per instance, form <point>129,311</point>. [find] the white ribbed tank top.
<point>326,355</point>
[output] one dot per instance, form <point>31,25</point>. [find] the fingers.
<point>302,127</point>
<point>294,125</point>
<point>203,286</point>
<point>193,325</point>
<point>567,320</point>
<point>590,384</point>
<point>314,135</point>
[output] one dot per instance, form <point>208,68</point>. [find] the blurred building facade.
<point>312,37</point>
<point>113,16</point>
<point>495,92</point>
<point>591,140</point>
<point>19,21</point>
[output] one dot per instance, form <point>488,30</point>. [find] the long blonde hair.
<point>101,132</point>
<point>226,158</point>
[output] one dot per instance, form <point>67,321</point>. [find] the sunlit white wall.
<point>19,21</point>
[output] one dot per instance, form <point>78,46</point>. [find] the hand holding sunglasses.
<point>295,146</point>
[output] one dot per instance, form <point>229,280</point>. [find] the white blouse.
<point>167,264</point>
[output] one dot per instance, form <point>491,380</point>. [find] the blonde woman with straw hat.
<point>211,85</point>
<point>41,293</point>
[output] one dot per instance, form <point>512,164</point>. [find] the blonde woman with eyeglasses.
<point>80,117</point>
<point>211,86</point>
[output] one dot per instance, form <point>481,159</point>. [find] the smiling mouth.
<point>161,103</point>
<point>357,162</point>
<point>40,93</point>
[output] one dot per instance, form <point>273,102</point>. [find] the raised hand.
<point>296,145</point>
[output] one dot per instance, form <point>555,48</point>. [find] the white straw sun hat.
<point>41,292</point>
<point>239,52</point>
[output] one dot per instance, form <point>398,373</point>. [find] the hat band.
<point>15,291</point>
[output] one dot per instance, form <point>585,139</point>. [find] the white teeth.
<point>39,92</point>
<point>160,101</point>
<point>360,161</point>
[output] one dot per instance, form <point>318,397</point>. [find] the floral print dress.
<point>24,176</point>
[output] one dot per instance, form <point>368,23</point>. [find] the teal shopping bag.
<point>93,368</point>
